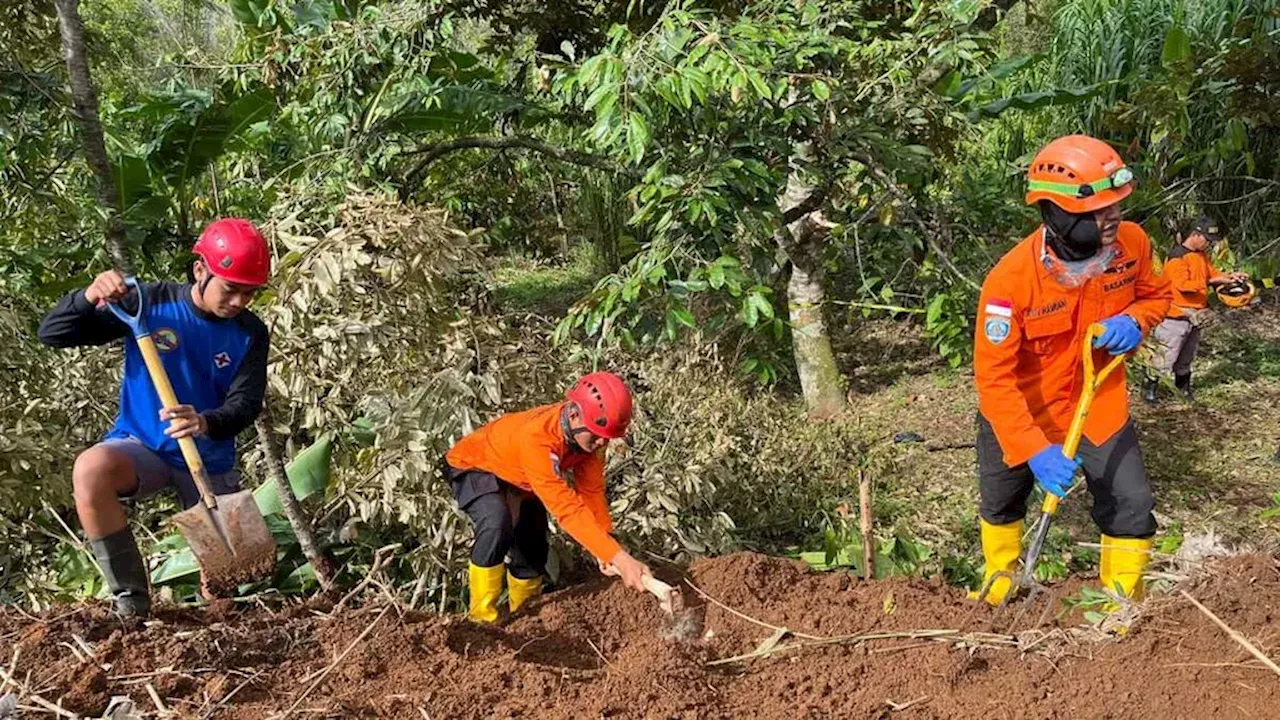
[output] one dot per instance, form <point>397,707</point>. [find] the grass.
<point>543,288</point>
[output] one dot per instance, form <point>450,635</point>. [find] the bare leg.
<point>101,475</point>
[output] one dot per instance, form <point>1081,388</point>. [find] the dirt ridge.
<point>595,650</point>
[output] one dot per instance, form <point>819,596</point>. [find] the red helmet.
<point>605,403</point>
<point>235,251</point>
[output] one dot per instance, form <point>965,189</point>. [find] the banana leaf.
<point>308,474</point>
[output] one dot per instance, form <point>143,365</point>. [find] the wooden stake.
<point>302,528</point>
<point>1244,643</point>
<point>867,524</point>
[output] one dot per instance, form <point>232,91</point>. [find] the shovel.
<point>1026,578</point>
<point>227,533</point>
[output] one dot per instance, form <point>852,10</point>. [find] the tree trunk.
<point>802,236</point>
<point>292,509</point>
<point>85,100</point>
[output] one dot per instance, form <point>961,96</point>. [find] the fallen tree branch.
<point>1242,640</point>
<point>953,635</point>
<point>431,153</point>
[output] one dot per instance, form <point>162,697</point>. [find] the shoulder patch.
<point>996,329</point>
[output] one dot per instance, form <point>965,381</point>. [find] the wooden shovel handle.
<point>660,590</point>
<point>160,378</point>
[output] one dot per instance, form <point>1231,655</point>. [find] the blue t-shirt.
<point>216,365</point>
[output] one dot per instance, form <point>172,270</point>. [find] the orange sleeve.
<point>568,507</point>
<point>995,361</point>
<point>589,482</point>
<point>1152,293</point>
<point>1214,273</point>
<point>1178,274</point>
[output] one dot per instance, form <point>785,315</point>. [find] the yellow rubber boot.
<point>1001,545</point>
<point>520,591</point>
<point>1123,560</point>
<point>486,589</point>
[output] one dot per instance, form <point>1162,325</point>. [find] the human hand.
<point>108,287</point>
<point>184,422</point>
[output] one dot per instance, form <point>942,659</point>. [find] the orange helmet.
<point>1237,294</point>
<point>1079,174</point>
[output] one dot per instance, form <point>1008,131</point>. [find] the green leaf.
<point>821,90</point>
<point>715,275</point>
<point>759,84</point>
<point>761,304</point>
<point>750,313</point>
<point>1177,46</point>
<point>683,316</point>
<point>308,473</point>
<point>1038,100</point>
<point>637,136</point>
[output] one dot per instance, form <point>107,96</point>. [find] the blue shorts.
<point>154,474</point>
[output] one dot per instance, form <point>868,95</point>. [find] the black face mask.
<point>1072,236</point>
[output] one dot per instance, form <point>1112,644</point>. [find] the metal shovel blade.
<point>231,541</point>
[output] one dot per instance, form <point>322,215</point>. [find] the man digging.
<point>215,353</point>
<point>508,474</point>
<point>1082,266</point>
<point>1191,274</point>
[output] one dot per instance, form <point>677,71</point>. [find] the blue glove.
<point>1122,334</point>
<point>1053,470</point>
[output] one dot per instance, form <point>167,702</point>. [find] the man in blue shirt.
<point>215,353</point>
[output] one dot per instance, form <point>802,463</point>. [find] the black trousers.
<point>510,524</point>
<point>1116,477</point>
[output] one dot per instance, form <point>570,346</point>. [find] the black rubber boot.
<point>1183,383</point>
<point>1149,389</point>
<point>125,573</point>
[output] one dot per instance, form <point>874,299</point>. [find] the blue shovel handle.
<point>135,321</point>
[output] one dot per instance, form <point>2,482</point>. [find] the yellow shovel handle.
<point>1092,381</point>
<point>160,378</point>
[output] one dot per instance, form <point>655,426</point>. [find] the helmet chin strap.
<point>569,435</point>
<point>208,278</point>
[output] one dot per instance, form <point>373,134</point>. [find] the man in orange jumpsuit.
<point>508,474</point>
<point>1083,265</point>
<point>1191,275</point>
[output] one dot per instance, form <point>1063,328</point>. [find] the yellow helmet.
<point>1237,294</point>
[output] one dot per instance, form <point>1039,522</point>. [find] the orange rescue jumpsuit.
<point>1029,377</point>
<point>1027,368</point>
<point>528,451</point>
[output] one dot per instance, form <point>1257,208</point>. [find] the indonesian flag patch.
<point>1003,308</point>
<point>997,321</point>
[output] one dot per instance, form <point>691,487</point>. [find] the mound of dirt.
<point>597,650</point>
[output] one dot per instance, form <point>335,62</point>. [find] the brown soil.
<point>596,650</point>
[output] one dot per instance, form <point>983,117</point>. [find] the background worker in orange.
<point>1083,265</point>
<point>509,473</point>
<point>1191,275</point>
